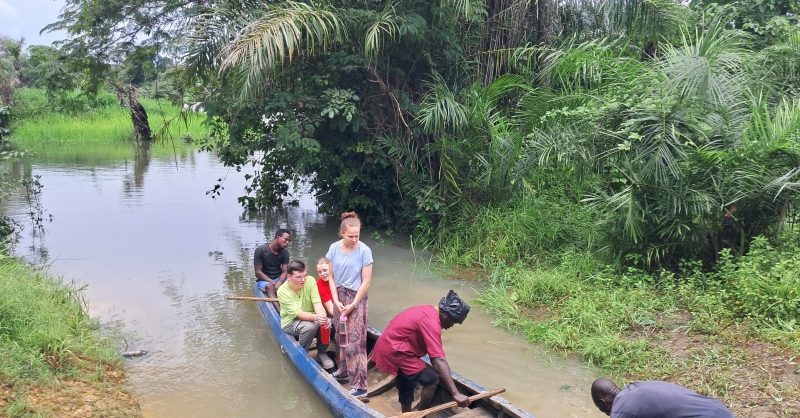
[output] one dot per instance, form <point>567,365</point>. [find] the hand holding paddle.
<point>442,407</point>
<point>252,298</point>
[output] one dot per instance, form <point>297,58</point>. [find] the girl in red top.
<point>324,270</point>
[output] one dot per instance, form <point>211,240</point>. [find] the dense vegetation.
<point>679,121</point>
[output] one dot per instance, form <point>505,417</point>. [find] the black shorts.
<point>407,384</point>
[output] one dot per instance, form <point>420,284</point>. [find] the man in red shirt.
<point>412,334</point>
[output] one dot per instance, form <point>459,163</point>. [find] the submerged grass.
<point>50,347</point>
<point>38,122</point>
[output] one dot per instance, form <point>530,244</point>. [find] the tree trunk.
<point>548,28</point>
<point>129,97</point>
<point>547,21</point>
<point>509,24</point>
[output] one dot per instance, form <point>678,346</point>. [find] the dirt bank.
<point>97,390</point>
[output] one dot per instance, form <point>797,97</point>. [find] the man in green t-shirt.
<point>302,313</point>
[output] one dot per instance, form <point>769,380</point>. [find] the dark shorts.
<point>407,384</point>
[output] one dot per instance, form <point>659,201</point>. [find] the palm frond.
<point>710,63</point>
<point>277,35</point>
<point>440,111</point>
<point>383,27</point>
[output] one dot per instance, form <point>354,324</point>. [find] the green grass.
<point>51,349</point>
<point>38,122</point>
<point>44,327</point>
<point>546,219</point>
<point>572,309</point>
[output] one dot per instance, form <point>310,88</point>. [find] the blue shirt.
<point>347,267</point>
<point>656,399</point>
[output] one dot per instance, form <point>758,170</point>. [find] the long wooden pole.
<point>252,298</point>
<point>442,407</point>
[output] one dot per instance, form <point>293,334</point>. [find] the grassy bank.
<point>709,332</point>
<point>38,121</point>
<point>731,331</point>
<point>54,362</point>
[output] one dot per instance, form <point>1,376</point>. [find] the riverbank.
<point>38,123</point>
<point>679,328</point>
<point>55,362</point>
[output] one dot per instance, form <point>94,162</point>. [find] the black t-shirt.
<point>655,399</point>
<point>270,262</point>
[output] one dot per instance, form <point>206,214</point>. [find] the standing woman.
<point>350,277</point>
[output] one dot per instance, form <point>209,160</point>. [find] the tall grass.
<point>569,308</point>
<point>544,220</point>
<point>601,313</point>
<point>44,328</point>
<point>39,121</point>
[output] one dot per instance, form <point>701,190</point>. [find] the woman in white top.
<point>350,276</point>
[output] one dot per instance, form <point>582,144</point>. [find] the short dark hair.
<point>601,388</point>
<point>279,233</point>
<point>295,265</point>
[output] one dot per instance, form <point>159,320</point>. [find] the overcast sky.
<point>25,18</point>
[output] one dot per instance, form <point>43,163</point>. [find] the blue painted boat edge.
<point>464,383</point>
<point>335,397</point>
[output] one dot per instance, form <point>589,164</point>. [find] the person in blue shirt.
<point>349,279</point>
<point>654,399</point>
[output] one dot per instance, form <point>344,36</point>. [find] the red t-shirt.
<point>324,290</point>
<point>412,334</point>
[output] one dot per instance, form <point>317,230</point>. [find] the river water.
<point>158,256</point>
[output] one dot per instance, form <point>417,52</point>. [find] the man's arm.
<point>318,315</point>
<point>282,277</point>
<point>321,317</point>
<point>258,256</point>
<point>443,368</point>
<point>260,274</point>
<point>306,316</point>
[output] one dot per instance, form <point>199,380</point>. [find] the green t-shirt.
<point>292,303</point>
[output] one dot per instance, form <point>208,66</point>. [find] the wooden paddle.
<point>442,407</point>
<point>252,298</point>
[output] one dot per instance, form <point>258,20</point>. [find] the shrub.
<point>765,283</point>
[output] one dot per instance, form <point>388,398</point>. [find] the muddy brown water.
<point>158,257</point>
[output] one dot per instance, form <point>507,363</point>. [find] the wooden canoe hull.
<point>337,399</point>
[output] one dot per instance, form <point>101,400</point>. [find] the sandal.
<point>340,377</point>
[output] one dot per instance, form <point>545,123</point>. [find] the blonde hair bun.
<point>348,215</point>
<point>349,219</point>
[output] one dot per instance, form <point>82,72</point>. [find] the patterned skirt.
<point>353,345</point>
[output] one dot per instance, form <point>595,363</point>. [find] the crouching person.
<point>302,313</point>
<point>413,333</point>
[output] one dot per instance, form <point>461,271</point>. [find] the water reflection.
<point>141,161</point>
<point>159,256</point>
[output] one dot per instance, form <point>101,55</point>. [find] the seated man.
<point>654,399</point>
<point>270,262</point>
<point>412,334</point>
<point>302,313</point>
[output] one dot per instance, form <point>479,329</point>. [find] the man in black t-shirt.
<point>654,399</point>
<point>270,261</point>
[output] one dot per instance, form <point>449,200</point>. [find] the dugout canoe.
<point>382,401</point>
